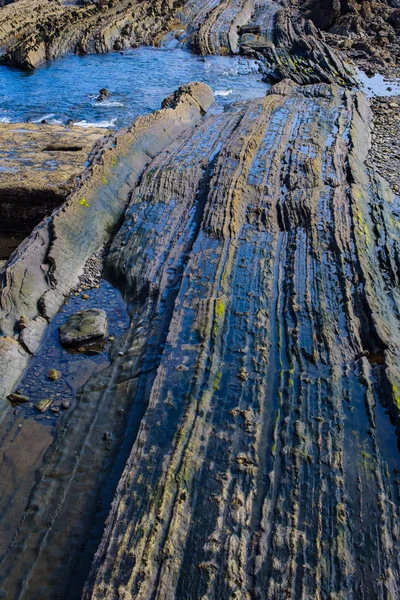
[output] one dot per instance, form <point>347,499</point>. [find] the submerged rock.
<point>84,328</point>
<point>43,405</point>
<point>103,95</point>
<point>54,375</point>
<point>18,399</point>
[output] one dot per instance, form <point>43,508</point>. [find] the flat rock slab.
<point>85,326</point>
<point>43,157</point>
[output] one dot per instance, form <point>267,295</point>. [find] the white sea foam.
<point>223,92</point>
<point>108,104</point>
<point>44,118</point>
<point>5,120</point>
<point>102,124</point>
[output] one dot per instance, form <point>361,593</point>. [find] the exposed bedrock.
<point>33,31</point>
<point>259,263</point>
<point>278,34</point>
<point>369,30</point>
<point>39,165</point>
<point>258,260</point>
<point>46,266</point>
<point>292,47</point>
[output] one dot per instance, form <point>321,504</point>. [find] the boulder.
<point>84,327</point>
<point>103,94</point>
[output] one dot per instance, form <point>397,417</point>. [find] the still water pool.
<point>138,80</point>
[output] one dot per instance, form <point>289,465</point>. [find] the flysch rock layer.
<point>33,31</point>
<point>39,165</point>
<point>259,262</point>
<point>46,266</point>
<point>279,35</point>
<point>258,259</point>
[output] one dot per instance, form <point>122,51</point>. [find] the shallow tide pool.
<point>67,90</point>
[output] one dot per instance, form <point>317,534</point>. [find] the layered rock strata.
<point>33,31</point>
<point>46,266</point>
<point>289,44</point>
<point>368,31</point>
<point>258,470</point>
<point>258,259</point>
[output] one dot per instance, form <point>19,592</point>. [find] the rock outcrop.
<point>369,30</point>
<point>33,31</point>
<point>46,266</point>
<point>258,259</point>
<point>289,44</point>
<point>39,165</point>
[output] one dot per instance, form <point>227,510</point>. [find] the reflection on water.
<point>75,369</point>
<point>67,90</point>
<point>378,85</point>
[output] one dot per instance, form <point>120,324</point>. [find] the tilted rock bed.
<point>288,43</point>
<point>258,259</point>
<point>51,261</point>
<point>368,31</point>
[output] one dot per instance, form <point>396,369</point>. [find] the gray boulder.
<point>84,327</point>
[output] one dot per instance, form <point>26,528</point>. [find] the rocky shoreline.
<point>239,440</point>
<point>385,137</point>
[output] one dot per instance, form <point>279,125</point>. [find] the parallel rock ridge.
<point>288,44</point>
<point>258,260</point>
<point>250,477</point>
<point>46,266</point>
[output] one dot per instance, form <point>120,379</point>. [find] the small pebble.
<point>53,375</point>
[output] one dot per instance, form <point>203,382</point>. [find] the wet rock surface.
<point>48,264</point>
<point>236,441</point>
<point>84,328</point>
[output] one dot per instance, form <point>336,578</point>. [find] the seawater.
<point>66,91</point>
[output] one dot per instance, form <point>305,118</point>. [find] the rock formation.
<point>369,30</point>
<point>234,445</point>
<point>253,466</point>
<point>39,165</point>
<point>281,36</point>
<point>46,266</point>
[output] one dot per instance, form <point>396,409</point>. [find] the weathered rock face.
<point>369,29</point>
<point>293,47</point>
<point>239,246</point>
<point>39,165</point>
<point>36,30</point>
<point>279,35</point>
<point>46,266</point>
<point>258,259</point>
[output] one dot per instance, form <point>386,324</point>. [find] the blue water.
<point>67,90</point>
